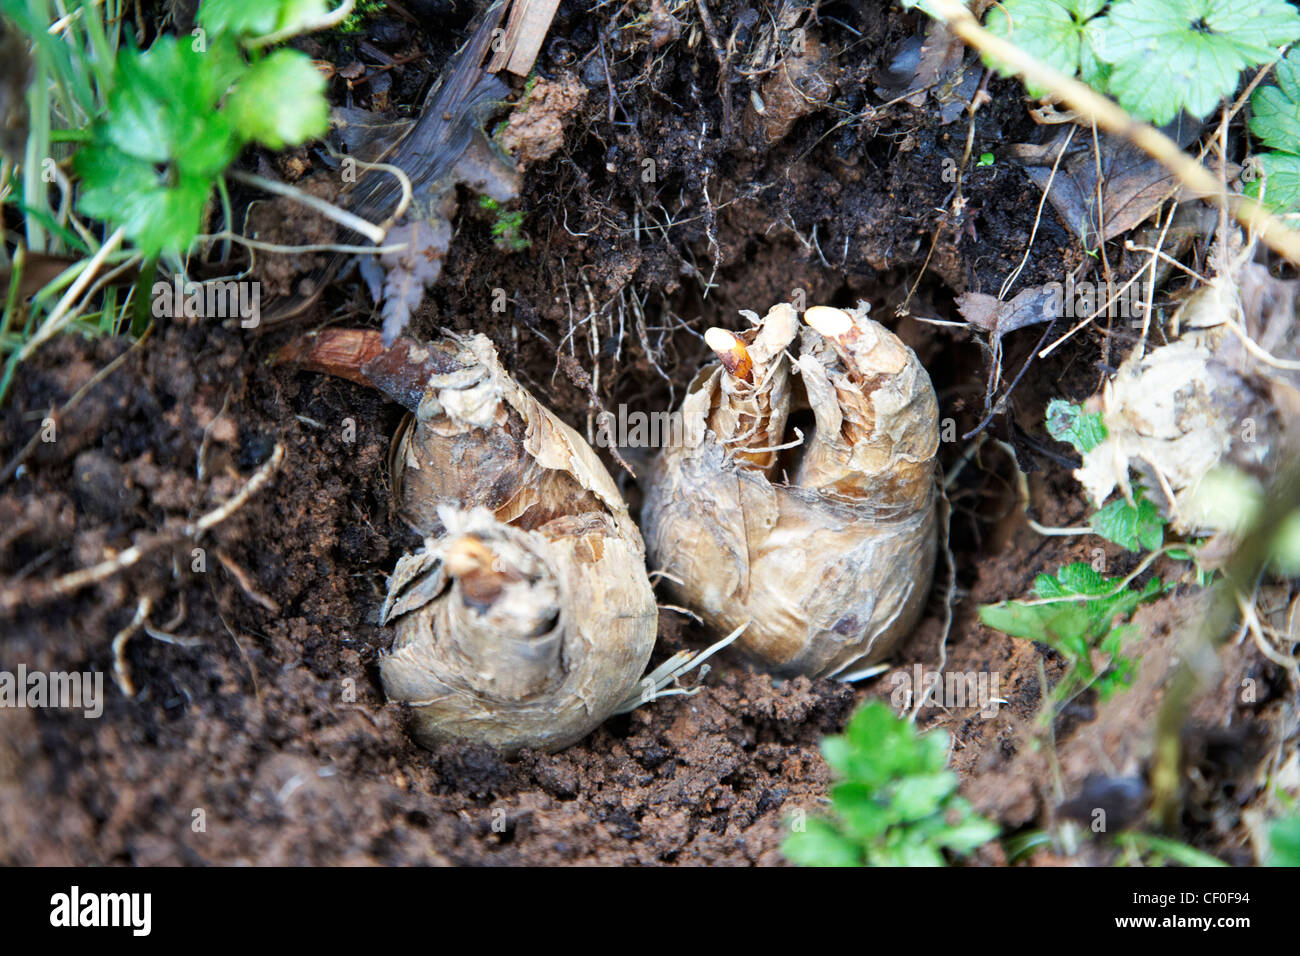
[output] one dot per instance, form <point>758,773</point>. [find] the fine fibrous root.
<point>29,593</point>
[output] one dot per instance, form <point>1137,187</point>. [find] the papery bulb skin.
<point>827,548</point>
<point>527,618</point>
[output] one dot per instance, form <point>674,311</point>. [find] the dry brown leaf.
<point>1133,184</point>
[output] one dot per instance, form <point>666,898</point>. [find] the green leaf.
<point>1284,840</point>
<point>923,5</point>
<point>138,128</point>
<point>252,18</point>
<point>1120,670</point>
<point>895,803</point>
<point>299,14</point>
<point>1170,55</point>
<point>1016,619</point>
<point>1055,31</point>
<point>922,794</point>
<point>881,747</point>
<point>1276,109</point>
<point>968,835</point>
<point>863,817</point>
<point>154,156</point>
<point>258,18</point>
<point>1133,527</point>
<point>1069,423</point>
<point>911,853</point>
<point>1076,578</point>
<point>281,101</point>
<point>160,210</point>
<point>164,106</point>
<point>820,844</point>
<point>1281,177</point>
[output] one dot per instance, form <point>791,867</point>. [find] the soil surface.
<point>254,727</point>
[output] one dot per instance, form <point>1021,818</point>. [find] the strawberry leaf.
<point>1055,31</point>
<point>1172,55</point>
<point>1134,526</point>
<point>1070,423</point>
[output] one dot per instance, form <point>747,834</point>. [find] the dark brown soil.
<point>267,739</point>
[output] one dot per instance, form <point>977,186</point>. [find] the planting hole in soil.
<point>718,432</point>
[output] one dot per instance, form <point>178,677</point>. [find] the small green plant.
<point>987,159</point>
<point>154,132</point>
<point>363,11</point>
<point>180,112</point>
<point>1276,123</point>
<point>895,803</point>
<point>1157,57</point>
<point>507,228</point>
<point>1076,612</point>
<point>1133,525</point>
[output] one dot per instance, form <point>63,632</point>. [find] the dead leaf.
<point>1039,304</point>
<point>1133,184</point>
<point>409,272</point>
<point>933,65</point>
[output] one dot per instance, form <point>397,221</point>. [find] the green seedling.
<point>507,227</point>
<point>1075,612</point>
<point>895,803</point>
<point>154,131</point>
<point>181,111</point>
